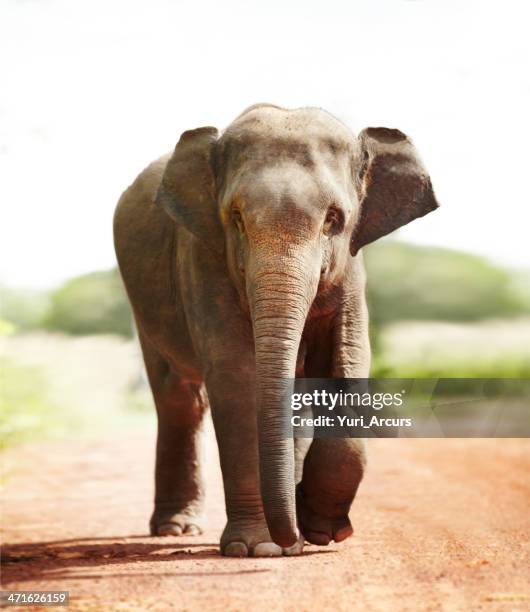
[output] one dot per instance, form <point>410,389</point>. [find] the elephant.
<point>241,256</point>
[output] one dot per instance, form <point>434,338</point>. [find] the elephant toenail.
<point>267,549</point>
<point>235,549</point>
<point>169,529</point>
<point>296,548</point>
<point>343,533</point>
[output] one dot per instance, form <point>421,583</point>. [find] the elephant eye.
<point>238,220</point>
<point>334,221</point>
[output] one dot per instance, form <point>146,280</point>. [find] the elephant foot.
<point>322,518</point>
<point>253,540</point>
<point>168,523</point>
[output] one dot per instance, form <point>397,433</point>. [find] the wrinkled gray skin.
<point>239,255</point>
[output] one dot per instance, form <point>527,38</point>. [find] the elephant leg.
<point>232,398</point>
<point>301,448</point>
<point>179,485</point>
<point>334,467</point>
<point>333,470</point>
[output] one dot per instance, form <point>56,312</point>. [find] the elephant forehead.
<point>272,120</point>
<point>304,148</point>
<point>284,192</point>
<point>270,134</point>
<point>282,184</point>
<point>290,167</point>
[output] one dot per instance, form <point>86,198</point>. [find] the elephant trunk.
<point>280,293</point>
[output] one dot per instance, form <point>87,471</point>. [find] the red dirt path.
<point>440,525</point>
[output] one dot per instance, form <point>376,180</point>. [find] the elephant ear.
<point>395,187</point>
<point>187,191</point>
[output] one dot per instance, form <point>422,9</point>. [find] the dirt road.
<point>440,525</point>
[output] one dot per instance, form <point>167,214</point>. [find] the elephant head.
<point>287,196</point>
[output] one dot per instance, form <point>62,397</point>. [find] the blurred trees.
<point>91,304</point>
<point>426,283</point>
<point>409,282</point>
<point>94,303</point>
<point>25,309</point>
<point>404,282</point>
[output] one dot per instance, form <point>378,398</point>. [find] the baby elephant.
<point>240,255</point>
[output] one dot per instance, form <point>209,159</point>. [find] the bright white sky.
<point>92,91</point>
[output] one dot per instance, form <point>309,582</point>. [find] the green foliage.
<point>425,283</point>
<point>6,328</point>
<point>25,408</point>
<point>57,396</point>
<point>91,304</point>
<point>25,309</point>
<point>509,366</point>
<point>496,348</point>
